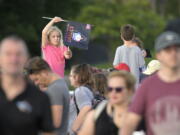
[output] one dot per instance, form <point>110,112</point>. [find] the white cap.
<point>152,67</point>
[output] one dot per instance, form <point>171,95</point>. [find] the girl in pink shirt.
<point>54,51</point>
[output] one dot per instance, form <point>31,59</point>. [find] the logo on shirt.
<point>164,116</point>
<point>24,106</point>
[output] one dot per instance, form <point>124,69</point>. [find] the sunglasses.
<point>117,89</point>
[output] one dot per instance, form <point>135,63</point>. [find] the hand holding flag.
<point>57,19</point>
<point>68,53</point>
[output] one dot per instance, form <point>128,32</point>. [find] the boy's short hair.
<point>36,65</point>
<point>127,32</point>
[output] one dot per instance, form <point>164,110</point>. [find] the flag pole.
<point>50,18</point>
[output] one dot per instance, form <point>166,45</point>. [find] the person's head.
<point>138,42</point>
<point>95,70</point>
<point>55,36</point>
<point>167,48</point>
<point>152,67</point>
<point>38,71</point>
<point>127,32</point>
<point>13,55</point>
<point>80,75</point>
<point>121,85</point>
<point>99,83</point>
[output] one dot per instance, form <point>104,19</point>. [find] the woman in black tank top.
<point>108,117</point>
<point>105,124</point>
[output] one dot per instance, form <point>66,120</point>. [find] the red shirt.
<point>159,103</point>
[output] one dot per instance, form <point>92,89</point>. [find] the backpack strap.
<point>99,109</point>
<point>75,102</point>
<point>87,86</point>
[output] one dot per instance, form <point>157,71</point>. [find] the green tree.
<point>23,17</point>
<point>166,8</point>
<point>108,16</point>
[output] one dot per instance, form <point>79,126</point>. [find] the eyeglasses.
<point>117,89</point>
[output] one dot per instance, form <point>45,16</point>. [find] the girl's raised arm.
<point>46,28</point>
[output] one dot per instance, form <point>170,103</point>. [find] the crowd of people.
<point>128,98</point>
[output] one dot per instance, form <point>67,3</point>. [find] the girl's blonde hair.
<point>55,28</point>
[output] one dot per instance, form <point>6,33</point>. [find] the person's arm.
<point>116,58</point>
<point>80,118</point>
<point>141,59</point>
<point>144,53</point>
<point>88,125</point>
<point>68,54</point>
<point>131,122</point>
<point>46,28</point>
<point>84,103</point>
<point>56,94</point>
<point>136,110</point>
<point>57,111</point>
<point>46,123</point>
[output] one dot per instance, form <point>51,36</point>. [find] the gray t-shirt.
<point>132,56</point>
<point>59,95</point>
<point>84,97</point>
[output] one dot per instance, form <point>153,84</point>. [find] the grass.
<point>104,65</point>
<point>109,64</point>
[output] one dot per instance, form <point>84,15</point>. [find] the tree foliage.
<point>108,16</point>
<point>23,17</point>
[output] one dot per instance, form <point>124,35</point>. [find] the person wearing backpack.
<point>99,88</point>
<point>81,103</point>
<point>108,117</point>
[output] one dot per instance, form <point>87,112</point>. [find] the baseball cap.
<point>152,67</point>
<point>167,39</point>
<point>122,66</point>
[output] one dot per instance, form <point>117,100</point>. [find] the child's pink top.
<point>54,56</point>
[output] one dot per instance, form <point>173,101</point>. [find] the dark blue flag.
<point>77,35</point>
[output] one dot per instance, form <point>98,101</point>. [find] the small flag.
<point>77,35</point>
